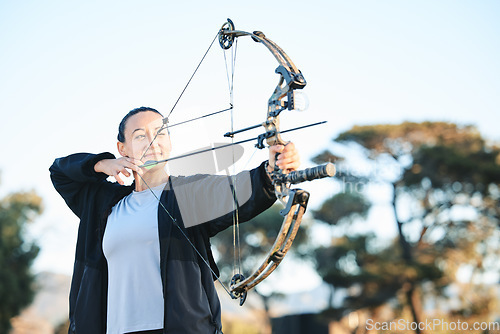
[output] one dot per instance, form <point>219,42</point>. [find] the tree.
<point>445,190</point>
<point>16,255</point>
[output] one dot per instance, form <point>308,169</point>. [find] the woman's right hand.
<point>115,167</point>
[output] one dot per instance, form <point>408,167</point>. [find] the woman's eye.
<point>140,137</point>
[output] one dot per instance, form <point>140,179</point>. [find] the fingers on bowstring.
<point>124,171</point>
<point>118,179</point>
<point>132,164</point>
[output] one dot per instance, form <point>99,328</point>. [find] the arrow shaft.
<point>152,163</point>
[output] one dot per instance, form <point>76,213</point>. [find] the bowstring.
<point>174,221</point>
<point>165,125</point>
<point>165,119</point>
<point>236,225</point>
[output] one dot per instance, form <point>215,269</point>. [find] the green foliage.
<point>442,169</point>
<point>342,206</point>
<point>372,276</point>
<point>448,164</point>
<point>16,256</point>
<point>326,156</point>
<point>398,139</point>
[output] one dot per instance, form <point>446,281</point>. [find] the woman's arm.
<point>75,176</point>
<point>213,198</point>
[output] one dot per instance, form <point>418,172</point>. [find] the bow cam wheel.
<point>226,40</point>
<point>241,294</point>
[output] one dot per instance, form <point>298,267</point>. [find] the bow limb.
<point>290,79</point>
<point>258,36</point>
<point>293,213</point>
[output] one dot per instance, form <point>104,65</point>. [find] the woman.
<point>138,269</point>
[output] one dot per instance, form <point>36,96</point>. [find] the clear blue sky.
<point>69,71</point>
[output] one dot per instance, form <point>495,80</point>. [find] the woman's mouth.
<point>153,155</point>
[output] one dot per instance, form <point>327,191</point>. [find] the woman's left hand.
<point>288,157</point>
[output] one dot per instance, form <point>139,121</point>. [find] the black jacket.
<point>191,301</point>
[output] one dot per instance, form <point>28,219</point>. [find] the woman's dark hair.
<point>121,127</point>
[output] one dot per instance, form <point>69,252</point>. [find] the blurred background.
<point>407,231</point>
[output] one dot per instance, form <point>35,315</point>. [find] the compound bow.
<point>295,200</point>
<point>283,98</point>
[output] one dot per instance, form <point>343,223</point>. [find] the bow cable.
<point>165,119</point>
<point>236,224</point>
<point>164,126</point>
<point>174,221</point>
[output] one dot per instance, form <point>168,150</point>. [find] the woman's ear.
<point>121,148</point>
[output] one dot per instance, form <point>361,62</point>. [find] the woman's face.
<point>140,130</point>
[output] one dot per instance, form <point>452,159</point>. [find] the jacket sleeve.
<point>260,199</point>
<point>75,180</point>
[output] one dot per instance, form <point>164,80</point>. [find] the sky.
<point>70,71</point>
